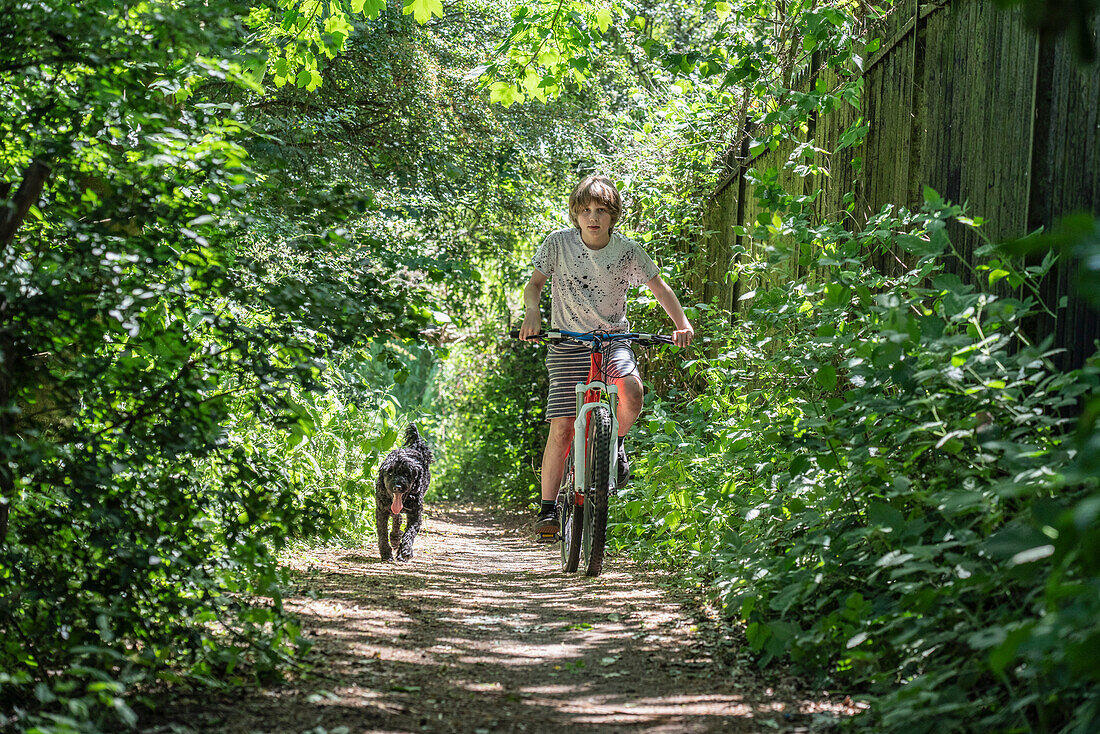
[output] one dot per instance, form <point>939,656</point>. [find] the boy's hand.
<point>532,324</point>
<point>683,337</point>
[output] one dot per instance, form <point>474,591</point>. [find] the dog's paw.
<point>404,554</point>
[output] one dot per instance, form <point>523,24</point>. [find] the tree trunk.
<point>29,192</point>
<point>11,218</point>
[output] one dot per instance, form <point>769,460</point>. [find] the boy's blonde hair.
<point>600,189</point>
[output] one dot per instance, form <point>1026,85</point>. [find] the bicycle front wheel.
<point>598,483</point>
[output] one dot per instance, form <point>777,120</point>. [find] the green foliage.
<point>547,49</point>
<point>878,481</point>
<point>493,392</point>
<point>161,359</point>
<point>301,36</point>
<point>875,470</point>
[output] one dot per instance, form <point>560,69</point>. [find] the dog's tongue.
<point>395,508</point>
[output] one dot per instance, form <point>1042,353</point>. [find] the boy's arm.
<point>671,304</point>
<point>532,316</point>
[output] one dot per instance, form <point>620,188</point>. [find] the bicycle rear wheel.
<point>598,482</point>
<point>572,521</point>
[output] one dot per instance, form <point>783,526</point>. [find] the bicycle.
<point>588,481</point>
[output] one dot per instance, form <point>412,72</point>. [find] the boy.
<point>592,267</point>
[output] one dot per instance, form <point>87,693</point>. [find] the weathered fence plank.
<point>964,98</point>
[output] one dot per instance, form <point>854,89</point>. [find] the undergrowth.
<point>880,481</point>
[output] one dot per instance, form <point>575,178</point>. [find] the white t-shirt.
<point>589,287</point>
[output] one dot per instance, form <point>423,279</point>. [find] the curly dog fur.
<point>403,479</point>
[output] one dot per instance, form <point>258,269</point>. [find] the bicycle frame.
<point>586,404</point>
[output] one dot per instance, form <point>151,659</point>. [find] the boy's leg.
<point>630,407</point>
<point>630,402</point>
<point>553,469</point>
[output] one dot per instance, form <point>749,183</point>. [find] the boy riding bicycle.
<point>592,268</point>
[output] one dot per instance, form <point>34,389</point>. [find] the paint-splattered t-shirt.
<point>588,287</point>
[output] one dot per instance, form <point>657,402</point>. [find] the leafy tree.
<point>155,366</point>
<point>216,298</point>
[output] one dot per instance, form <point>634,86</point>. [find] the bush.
<point>492,399</point>
<point>879,480</point>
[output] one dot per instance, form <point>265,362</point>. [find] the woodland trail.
<point>481,632</point>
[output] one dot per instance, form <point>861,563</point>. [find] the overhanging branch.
<point>34,180</point>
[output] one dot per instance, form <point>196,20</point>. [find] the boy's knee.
<point>561,430</point>
<point>630,389</point>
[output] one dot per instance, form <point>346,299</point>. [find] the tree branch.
<point>30,190</point>
<point>16,211</point>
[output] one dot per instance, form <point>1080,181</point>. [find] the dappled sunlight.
<point>482,620</point>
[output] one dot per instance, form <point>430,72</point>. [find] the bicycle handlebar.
<point>561,336</point>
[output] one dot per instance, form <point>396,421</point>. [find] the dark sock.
<point>621,439</point>
<point>547,505</point>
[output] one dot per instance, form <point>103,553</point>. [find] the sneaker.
<point>624,467</point>
<point>547,522</point>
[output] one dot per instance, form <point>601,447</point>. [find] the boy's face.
<point>595,222</point>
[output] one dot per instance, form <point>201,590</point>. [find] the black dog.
<point>402,481</point>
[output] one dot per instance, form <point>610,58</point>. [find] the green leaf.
<point>423,10</point>
<point>1011,541</point>
<point>504,94</point>
<point>854,135</point>
<point>1002,655</point>
<point>603,19</point>
<point>338,27</point>
<point>799,464</point>
<point>372,8</point>
<point>43,693</point>
<point>919,246</point>
<point>127,714</point>
<point>826,376</point>
<point>757,634</point>
<point>882,515</point>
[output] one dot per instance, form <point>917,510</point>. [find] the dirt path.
<point>481,632</point>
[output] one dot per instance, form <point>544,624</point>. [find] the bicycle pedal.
<point>547,538</point>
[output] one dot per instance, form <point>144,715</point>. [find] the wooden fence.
<point>962,97</point>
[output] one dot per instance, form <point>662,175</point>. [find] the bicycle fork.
<point>585,405</point>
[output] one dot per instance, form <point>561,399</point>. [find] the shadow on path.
<point>481,632</point>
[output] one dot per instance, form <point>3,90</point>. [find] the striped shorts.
<point>568,365</point>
